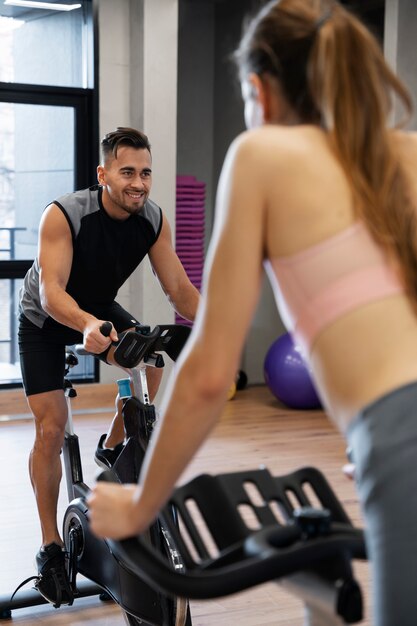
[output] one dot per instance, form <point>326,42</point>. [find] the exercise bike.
<point>88,555</point>
<point>91,556</point>
<point>307,549</point>
<point>304,539</point>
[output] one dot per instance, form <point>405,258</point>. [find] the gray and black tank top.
<point>106,251</point>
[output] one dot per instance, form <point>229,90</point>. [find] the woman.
<point>320,191</point>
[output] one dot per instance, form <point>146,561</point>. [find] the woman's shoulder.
<point>286,161</point>
<point>275,143</point>
<point>284,136</point>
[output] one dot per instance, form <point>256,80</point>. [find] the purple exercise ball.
<point>287,375</point>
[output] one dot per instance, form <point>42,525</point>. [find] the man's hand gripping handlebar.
<point>142,343</point>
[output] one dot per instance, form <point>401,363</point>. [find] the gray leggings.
<point>383,440</point>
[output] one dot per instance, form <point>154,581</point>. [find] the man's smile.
<point>135,195</point>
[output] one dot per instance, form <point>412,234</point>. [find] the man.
<point>90,242</point>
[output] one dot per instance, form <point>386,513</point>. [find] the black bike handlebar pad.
<point>135,346</point>
<point>172,339</point>
<point>221,551</point>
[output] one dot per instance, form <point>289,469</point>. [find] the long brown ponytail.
<point>353,89</point>
<point>334,74</point>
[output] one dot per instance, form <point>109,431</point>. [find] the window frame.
<point>85,105</point>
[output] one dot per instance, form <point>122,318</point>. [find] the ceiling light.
<point>50,6</point>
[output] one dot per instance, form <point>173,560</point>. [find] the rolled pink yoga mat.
<point>190,226</point>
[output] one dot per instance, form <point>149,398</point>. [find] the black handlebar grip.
<point>105,328</point>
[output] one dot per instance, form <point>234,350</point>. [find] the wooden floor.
<point>254,430</point>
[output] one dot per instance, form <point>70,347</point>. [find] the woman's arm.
<point>197,391</point>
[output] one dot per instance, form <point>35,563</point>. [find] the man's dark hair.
<point>123,137</point>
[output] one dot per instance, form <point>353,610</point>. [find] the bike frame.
<point>95,560</point>
<point>76,487</point>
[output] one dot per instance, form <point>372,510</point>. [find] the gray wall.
<point>210,116</point>
<point>229,122</point>
<point>399,44</point>
<point>195,121</point>
<point>138,87</point>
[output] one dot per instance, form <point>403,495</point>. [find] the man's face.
<point>126,180</point>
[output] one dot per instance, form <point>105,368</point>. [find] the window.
<point>36,166</point>
<point>46,47</point>
<point>48,134</point>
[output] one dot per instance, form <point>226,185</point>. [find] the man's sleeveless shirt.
<point>105,251</point>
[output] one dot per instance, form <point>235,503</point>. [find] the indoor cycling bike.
<point>215,537</point>
<point>93,557</point>
<point>237,530</point>
<point>308,548</point>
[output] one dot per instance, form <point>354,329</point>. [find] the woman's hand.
<point>114,511</point>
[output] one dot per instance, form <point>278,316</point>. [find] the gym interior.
<point>69,74</point>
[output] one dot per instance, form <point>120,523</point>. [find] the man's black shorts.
<point>42,350</point>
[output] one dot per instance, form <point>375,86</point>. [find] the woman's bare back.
<point>370,349</point>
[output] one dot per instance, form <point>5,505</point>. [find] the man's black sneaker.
<point>106,457</point>
<point>52,582</point>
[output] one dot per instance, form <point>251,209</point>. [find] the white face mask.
<point>254,115</point>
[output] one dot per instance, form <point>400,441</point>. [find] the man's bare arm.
<point>55,260</point>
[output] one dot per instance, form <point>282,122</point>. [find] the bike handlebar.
<point>105,328</point>
<point>245,557</point>
<point>255,560</point>
<point>140,344</point>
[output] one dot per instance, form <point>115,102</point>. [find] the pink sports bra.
<point>317,286</point>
